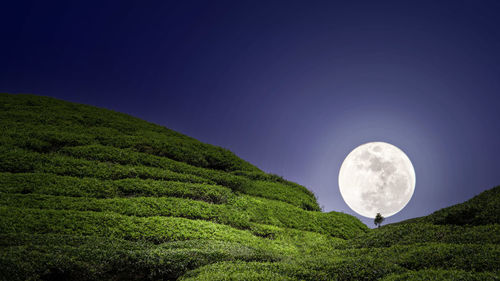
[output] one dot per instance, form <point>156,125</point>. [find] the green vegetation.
<point>50,184</point>
<point>483,209</point>
<point>407,234</point>
<point>378,219</point>
<point>92,194</point>
<point>442,275</point>
<point>69,257</point>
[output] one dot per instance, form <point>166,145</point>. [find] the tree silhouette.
<point>378,219</point>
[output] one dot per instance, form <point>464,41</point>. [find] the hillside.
<point>92,194</point>
<point>483,209</point>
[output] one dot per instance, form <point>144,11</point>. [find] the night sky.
<point>292,87</point>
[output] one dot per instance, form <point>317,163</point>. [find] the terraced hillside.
<point>92,194</point>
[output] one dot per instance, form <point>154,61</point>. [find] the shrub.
<point>35,114</point>
<point>237,271</point>
<point>240,212</point>
<point>130,157</point>
<point>29,256</point>
<point>19,160</point>
<point>156,229</point>
<point>271,212</point>
<point>310,269</point>
<point>277,191</point>
<point>50,184</point>
<point>406,234</point>
<point>92,194</point>
<point>451,275</point>
<point>469,257</point>
<point>136,206</point>
<point>481,210</point>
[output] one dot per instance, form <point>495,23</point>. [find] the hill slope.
<point>92,194</point>
<point>483,209</point>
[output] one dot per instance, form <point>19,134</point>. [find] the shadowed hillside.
<point>92,194</point>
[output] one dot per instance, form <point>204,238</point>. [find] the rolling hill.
<point>92,194</point>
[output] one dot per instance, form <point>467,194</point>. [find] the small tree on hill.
<point>378,219</point>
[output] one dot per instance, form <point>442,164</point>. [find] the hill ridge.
<point>92,194</point>
<point>481,209</point>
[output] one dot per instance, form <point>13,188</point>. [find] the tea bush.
<point>92,194</point>
<point>443,275</point>
<point>406,234</point>
<point>50,184</point>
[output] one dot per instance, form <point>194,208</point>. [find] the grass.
<point>92,194</point>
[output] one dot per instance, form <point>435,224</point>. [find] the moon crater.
<point>377,177</point>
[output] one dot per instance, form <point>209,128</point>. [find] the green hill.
<point>92,194</point>
<point>483,209</point>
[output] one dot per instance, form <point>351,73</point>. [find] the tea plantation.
<point>93,194</point>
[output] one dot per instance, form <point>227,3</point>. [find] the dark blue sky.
<point>290,86</point>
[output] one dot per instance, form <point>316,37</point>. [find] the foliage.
<point>50,184</point>
<point>156,229</point>
<point>470,257</point>
<point>406,234</point>
<point>277,191</point>
<point>338,268</point>
<point>483,209</point>
<point>92,194</point>
<point>51,123</point>
<point>68,257</point>
<point>442,275</point>
<point>378,219</point>
<point>241,212</point>
<point>18,160</point>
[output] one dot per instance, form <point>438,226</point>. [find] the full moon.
<point>377,177</point>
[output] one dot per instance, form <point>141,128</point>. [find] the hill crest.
<point>92,194</point>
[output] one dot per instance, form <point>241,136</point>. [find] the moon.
<point>377,177</point>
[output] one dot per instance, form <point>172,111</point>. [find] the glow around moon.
<point>377,177</point>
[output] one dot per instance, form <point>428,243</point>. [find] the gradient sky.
<point>291,86</point>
